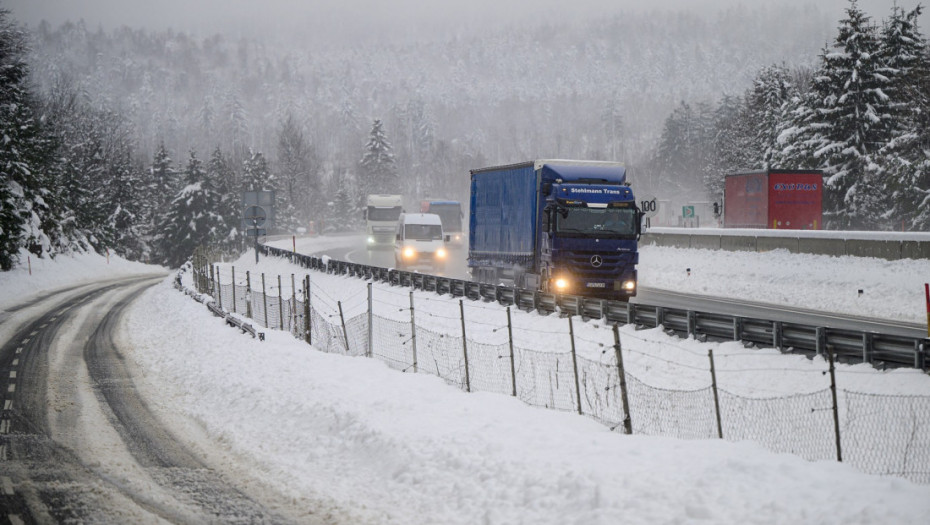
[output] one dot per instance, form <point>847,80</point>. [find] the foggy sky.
<point>348,19</point>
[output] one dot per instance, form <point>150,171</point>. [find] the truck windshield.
<point>450,214</point>
<point>383,214</point>
<point>597,221</point>
<point>423,232</point>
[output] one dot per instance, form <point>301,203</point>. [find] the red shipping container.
<point>777,199</point>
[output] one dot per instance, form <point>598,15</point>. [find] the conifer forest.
<point>140,142</point>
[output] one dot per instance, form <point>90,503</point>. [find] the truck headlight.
<point>441,253</point>
<point>561,284</point>
<point>409,252</point>
<point>629,285</point>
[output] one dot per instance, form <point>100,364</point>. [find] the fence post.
<point>212,282</point>
<point>219,288</point>
<point>265,300</point>
<point>370,319</point>
<point>627,420</point>
<point>293,307</point>
<point>234,289</point>
<point>836,412</point>
<point>571,332</point>
<point>342,319</point>
<point>307,321</point>
<point>713,383</point>
<point>248,295</point>
<point>513,369</point>
<point>280,305</point>
<point>464,346</point>
<point>413,333</point>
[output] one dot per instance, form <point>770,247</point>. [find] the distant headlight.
<point>371,240</point>
<point>629,285</point>
<point>561,283</point>
<point>409,252</point>
<point>458,237</point>
<point>441,253</point>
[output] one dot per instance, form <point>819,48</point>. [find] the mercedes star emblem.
<point>596,261</point>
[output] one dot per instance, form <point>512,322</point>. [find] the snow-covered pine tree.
<point>193,218</point>
<point>904,162</point>
<point>223,178</point>
<point>377,168</point>
<point>27,218</point>
<point>255,173</point>
<point>299,174</point>
<point>850,122</point>
<point>732,146</point>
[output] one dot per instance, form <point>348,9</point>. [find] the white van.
<point>420,242</point>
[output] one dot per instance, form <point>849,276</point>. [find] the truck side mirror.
<point>398,237</point>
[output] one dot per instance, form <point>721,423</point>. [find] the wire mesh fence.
<point>880,434</point>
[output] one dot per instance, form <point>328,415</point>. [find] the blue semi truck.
<point>559,226</point>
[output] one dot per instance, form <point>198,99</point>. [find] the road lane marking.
<point>8,404</point>
<point>15,362</point>
<point>12,374</point>
<point>11,388</point>
<point>4,426</point>
<point>26,340</point>
<point>7,485</point>
<point>15,519</point>
<point>34,332</point>
<point>2,452</point>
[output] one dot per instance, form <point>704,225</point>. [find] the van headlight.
<point>629,285</point>
<point>409,252</point>
<point>441,253</point>
<point>371,240</point>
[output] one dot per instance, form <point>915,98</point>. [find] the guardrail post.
<point>571,333</point>
<point>776,335</point>
<point>464,345</point>
<point>630,313</point>
<point>627,420</point>
<point>280,305</point>
<point>836,411</point>
<point>370,324</point>
<point>513,369</point>
<point>234,289</point>
<point>820,334</point>
<point>713,383</point>
<point>265,300</point>
<point>919,357</point>
<point>737,328</point>
<point>248,295</point>
<point>413,334</point>
<point>866,347</point>
<point>692,323</point>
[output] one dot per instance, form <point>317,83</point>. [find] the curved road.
<point>78,443</point>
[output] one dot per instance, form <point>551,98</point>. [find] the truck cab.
<point>420,242</point>
<point>450,212</point>
<point>381,216</point>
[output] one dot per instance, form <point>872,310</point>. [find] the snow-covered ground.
<point>391,447</point>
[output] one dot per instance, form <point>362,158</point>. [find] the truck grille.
<point>597,265</point>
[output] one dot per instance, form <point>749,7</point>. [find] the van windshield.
<point>423,232</point>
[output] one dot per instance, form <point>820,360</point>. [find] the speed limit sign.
<point>649,205</point>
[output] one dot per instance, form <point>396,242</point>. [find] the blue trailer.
<point>559,226</point>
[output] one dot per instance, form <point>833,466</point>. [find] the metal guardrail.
<point>230,319</point>
<point>850,346</point>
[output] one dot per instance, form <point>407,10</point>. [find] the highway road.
<point>80,443</point>
<point>354,251</point>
